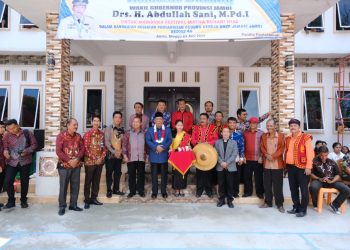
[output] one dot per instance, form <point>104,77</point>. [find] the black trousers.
<point>273,186</point>
<point>136,169</point>
<point>298,182</point>
<point>11,173</point>
<point>164,177</point>
<point>204,182</point>
<point>113,174</point>
<point>256,168</point>
<point>69,176</point>
<point>225,183</point>
<point>92,182</point>
<point>237,179</point>
<point>344,192</point>
<point>2,180</point>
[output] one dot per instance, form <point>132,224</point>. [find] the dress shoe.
<point>210,195</point>
<point>246,195</point>
<point>154,196</point>
<point>198,195</point>
<point>220,204</point>
<point>230,204</point>
<point>281,209</point>
<point>24,204</point>
<point>130,196</point>
<point>300,214</point>
<point>142,195</point>
<point>292,211</point>
<point>165,195</point>
<point>86,205</point>
<point>119,193</point>
<point>9,205</point>
<point>76,208</point>
<point>236,196</point>
<point>176,194</point>
<point>96,202</point>
<point>260,196</point>
<point>182,194</point>
<point>61,211</point>
<point>109,194</point>
<point>265,205</point>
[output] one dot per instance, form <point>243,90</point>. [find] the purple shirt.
<point>134,146</point>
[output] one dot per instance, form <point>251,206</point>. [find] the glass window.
<point>94,105</point>
<point>313,111</point>
<point>343,111</point>
<point>3,104</point>
<point>343,15</point>
<point>4,15</point>
<point>24,23</point>
<point>316,24</point>
<point>30,108</point>
<point>250,101</point>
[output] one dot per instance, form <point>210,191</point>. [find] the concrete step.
<point>32,198</point>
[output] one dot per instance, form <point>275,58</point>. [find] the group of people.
<point>243,151</point>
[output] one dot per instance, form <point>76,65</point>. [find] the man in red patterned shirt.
<point>19,145</point>
<point>70,151</point>
<point>202,133</point>
<point>95,153</point>
<point>185,116</point>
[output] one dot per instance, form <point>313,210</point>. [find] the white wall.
<point>328,42</point>
<point>14,40</point>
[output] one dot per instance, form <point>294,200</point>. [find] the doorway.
<point>151,96</point>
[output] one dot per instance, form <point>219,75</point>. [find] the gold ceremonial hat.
<point>206,156</point>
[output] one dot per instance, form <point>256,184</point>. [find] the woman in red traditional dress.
<point>181,158</point>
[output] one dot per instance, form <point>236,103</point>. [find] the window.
<point>343,15</point>
<point>24,23</point>
<point>4,15</point>
<point>249,100</point>
<point>4,104</point>
<point>30,108</point>
<point>316,25</point>
<point>313,109</point>
<point>94,105</point>
<point>342,112</point>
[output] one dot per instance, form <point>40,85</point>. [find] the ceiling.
<point>96,51</point>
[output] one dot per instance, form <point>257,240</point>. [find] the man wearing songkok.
<point>158,139</point>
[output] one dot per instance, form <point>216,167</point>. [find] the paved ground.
<point>171,226</point>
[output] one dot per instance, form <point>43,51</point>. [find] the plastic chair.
<point>329,192</point>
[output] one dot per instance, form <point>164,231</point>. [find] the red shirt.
<point>69,147</point>
<point>207,134</point>
<point>95,148</point>
<point>252,144</point>
<point>16,145</point>
<point>186,117</point>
